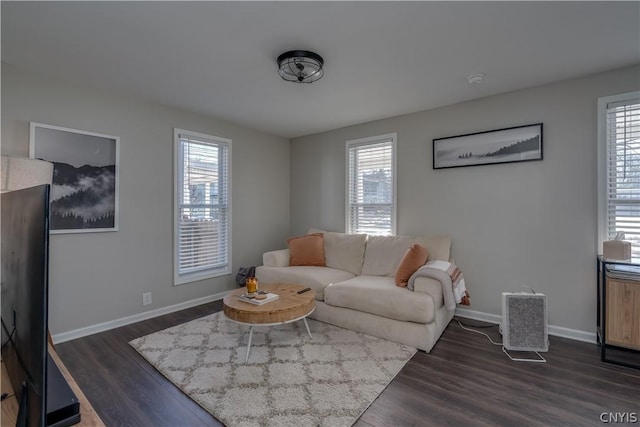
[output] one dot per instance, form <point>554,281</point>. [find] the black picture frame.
<point>507,145</point>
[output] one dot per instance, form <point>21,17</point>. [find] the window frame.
<point>178,177</point>
<point>602,231</point>
<point>372,140</point>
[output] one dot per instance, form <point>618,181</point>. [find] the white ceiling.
<point>382,59</point>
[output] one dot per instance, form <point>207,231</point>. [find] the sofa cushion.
<point>415,257</point>
<point>307,250</point>
<point>317,278</point>
<point>379,295</point>
<point>343,251</point>
<point>383,254</point>
<point>439,247</point>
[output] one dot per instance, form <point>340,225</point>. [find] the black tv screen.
<point>24,257</point>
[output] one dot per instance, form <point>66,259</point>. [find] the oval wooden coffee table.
<point>290,307</point>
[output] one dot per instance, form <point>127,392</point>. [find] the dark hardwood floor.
<point>464,381</point>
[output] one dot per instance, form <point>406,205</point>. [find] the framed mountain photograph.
<point>84,193</point>
<point>515,144</point>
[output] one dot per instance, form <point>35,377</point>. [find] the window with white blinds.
<point>620,174</point>
<point>371,178</point>
<point>203,204</point>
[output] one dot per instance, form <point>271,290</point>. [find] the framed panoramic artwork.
<point>84,192</point>
<point>515,144</point>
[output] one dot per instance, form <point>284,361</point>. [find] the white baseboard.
<point>112,324</point>
<point>557,331</point>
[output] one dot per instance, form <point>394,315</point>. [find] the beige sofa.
<point>356,290</point>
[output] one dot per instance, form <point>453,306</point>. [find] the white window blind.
<point>623,171</point>
<point>371,185</point>
<point>202,206</point>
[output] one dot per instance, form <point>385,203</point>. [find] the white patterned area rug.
<point>289,380</point>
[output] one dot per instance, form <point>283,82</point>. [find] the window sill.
<point>197,277</point>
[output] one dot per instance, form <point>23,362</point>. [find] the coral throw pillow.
<point>307,250</point>
<point>415,257</point>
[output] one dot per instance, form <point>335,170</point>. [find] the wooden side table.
<point>618,318</point>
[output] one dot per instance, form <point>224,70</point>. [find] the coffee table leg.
<point>249,345</point>
<point>307,325</point>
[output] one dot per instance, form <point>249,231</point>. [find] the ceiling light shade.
<point>300,66</point>
<point>475,78</point>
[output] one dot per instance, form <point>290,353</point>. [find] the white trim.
<point>196,277</point>
<point>116,139</point>
<point>394,181</point>
<point>558,331</point>
<point>177,171</point>
<point>394,164</point>
<point>601,231</point>
<point>123,321</point>
<point>478,315</point>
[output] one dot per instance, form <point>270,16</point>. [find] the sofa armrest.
<point>279,258</point>
<point>427,285</point>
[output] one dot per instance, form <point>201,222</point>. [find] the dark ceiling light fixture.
<point>300,66</point>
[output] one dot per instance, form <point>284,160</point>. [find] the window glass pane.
<point>203,221</point>
<point>623,172</point>
<point>371,186</point>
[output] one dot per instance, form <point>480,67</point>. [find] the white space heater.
<point>524,322</point>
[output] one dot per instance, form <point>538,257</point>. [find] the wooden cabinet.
<point>618,311</point>
<point>623,313</point>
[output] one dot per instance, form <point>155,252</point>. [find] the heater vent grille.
<point>524,322</point>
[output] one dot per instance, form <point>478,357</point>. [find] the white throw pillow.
<point>384,253</point>
<point>439,247</point>
<point>343,251</point>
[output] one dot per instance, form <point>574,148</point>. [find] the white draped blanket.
<point>449,275</point>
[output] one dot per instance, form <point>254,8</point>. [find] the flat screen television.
<point>24,242</point>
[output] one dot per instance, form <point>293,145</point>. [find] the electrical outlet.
<point>146,298</point>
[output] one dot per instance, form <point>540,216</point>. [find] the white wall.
<point>99,277</point>
<point>531,224</point>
